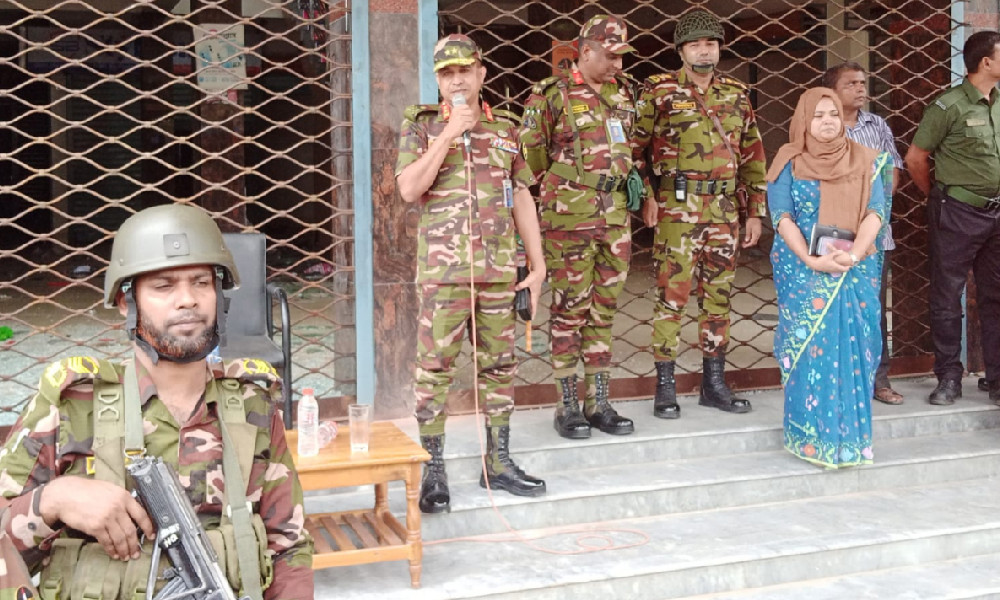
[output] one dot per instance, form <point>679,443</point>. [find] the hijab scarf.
<point>842,167</point>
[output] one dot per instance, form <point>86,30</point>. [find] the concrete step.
<point>966,578</point>
<point>706,552</point>
<point>701,432</point>
<point>660,488</point>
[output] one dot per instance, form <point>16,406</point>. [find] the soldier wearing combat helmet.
<point>698,135</point>
<point>62,471</point>
<point>460,161</point>
<point>576,134</point>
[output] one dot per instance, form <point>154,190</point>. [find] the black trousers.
<point>882,372</point>
<point>963,237</point>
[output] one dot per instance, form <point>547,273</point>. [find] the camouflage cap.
<point>609,31</point>
<point>455,49</point>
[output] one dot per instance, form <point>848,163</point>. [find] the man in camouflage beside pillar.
<point>461,162</point>
<point>575,136</point>
<point>699,134</point>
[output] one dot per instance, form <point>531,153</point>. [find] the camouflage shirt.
<point>54,437</point>
<point>676,135</point>
<point>447,236</point>
<point>548,137</point>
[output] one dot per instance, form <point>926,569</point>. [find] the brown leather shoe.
<point>887,395</point>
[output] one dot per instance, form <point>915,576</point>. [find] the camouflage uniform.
<point>15,580</point>
<point>698,237</point>
<point>55,434</point>
<point>447,241</point>
<point>587,239</point>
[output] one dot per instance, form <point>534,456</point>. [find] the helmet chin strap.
<point>132,322</point>
<point>703,69</point>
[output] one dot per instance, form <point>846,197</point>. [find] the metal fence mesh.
<point>240,107</point>
<point>779,48</point>
<point>108,107</point>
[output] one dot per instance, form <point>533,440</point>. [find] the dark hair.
<point>832,75</point>
<point>979,45</point>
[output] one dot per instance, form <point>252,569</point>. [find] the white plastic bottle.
<point>308,423</point>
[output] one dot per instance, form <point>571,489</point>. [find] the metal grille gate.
<point>111,106</point>
<point>780,48</point>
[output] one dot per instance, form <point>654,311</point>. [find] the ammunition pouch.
<point>81,570</point>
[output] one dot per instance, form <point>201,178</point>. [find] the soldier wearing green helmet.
<point>63,474</point>
<point>697,134</point>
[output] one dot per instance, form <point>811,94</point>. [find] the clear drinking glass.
<point>360,417</point>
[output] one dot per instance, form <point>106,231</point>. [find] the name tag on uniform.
<point>508,193</point>
<point>616,133</point>
<point>975,122</point>
<point>430,140</point>
<point>684,105</point>
<point>580,108</point>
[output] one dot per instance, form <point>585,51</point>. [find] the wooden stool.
<point>391,456</point>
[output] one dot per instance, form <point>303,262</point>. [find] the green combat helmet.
<point>698,24</point>
<point>167,237</point>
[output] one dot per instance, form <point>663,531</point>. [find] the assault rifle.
<point>195,572</point>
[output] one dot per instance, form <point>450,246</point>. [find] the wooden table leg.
<point>413,524</point>
<point>381,498</point>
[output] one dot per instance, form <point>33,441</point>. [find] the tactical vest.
<point>80,570</point>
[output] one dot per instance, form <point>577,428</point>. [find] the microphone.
<point>459,100</point>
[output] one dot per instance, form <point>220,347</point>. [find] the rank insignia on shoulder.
<point>530,122</point>
<point>256,365</point>
<point>413,111</point>
<point>940,105</point>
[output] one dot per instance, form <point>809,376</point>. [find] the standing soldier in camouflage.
<point>461,162</point>
<point>698,132</point>
<point>575,136</point>
<point>62,470</point>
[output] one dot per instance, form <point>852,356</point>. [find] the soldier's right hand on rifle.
<point>99,509</point>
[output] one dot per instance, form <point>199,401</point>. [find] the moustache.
<point>186,318</point>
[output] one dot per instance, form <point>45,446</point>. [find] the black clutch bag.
<point>826,238</point>
<point>522,298</point>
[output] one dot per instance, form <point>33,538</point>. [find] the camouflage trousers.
<point>446,314</point>
<point>587,270</point>
<point>701,252</point>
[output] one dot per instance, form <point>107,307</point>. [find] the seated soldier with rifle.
<point>68,464</point>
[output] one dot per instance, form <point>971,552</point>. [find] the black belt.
<point>702,187</point>
<point>601,183</point>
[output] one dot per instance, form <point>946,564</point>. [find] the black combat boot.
<point>715,392</point>
<point>434,494</point>
<point>501,470</point>
<point>569,421</point>
<point>603,416</point>
<point>665,401</point>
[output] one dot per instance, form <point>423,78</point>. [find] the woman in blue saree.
<point>828,340</point>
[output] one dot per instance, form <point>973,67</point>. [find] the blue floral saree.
<point>828,342</point>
